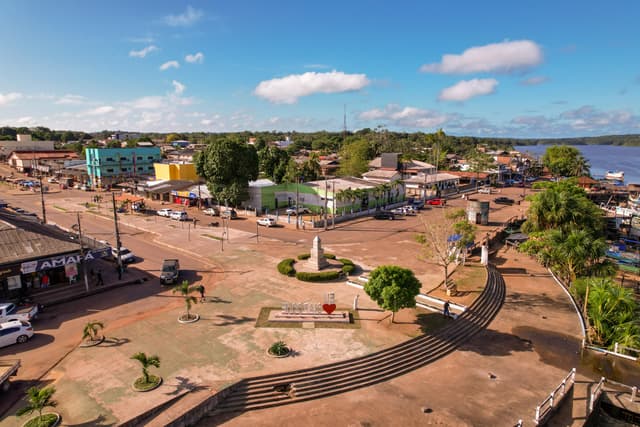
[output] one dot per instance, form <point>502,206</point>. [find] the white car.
<point>295,210</point>
<point>14,332</point>
<point>409,210</point>
<point>267,221</point>
<point>210,211</point>
<point>399,211</point>
<point>179,215</point>
<point>484,190</point>
<point>165,212</point>
<point>52,180</point>
<point>126,256</point>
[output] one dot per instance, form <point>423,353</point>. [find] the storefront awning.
<point>63,260</point>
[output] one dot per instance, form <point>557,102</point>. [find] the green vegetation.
<point>563,160</point>
<point>347,266</point>
<point>329,256</point>
<point>321,276</point>
<point>146,381</point>
<point>37,400</point>
<point>185,289</point>
<point>91,330</point>
<point>286,267</point>
<point>279,348</point>
<point>302,257</point>
<point>393,288</point>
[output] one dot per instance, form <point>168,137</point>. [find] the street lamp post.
<point>82,262</point>
<point>115,222</point>
<point>44,212</point>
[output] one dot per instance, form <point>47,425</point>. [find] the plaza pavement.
<point>495,379</point>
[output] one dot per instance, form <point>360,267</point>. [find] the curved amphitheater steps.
<point>364,371</point>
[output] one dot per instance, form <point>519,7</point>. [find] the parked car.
<point>409,210</point>
<point>503,201</point>
<point>229,214</point>
<point>18,331</point>
<point>398,211</point>
<point>436,202</point>
<point>10,312</point>
<point>267,221</point>
<point>384,215</point>
<point>165,212</point>
<point>126,256</point>
<point>52,180</point>
<point>295,210</point>
<point>210,211</point>
<point>179,215</point>
<point>484,190</point>
<point>170,271</point>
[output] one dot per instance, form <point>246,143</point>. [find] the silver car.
<point>14,332</point>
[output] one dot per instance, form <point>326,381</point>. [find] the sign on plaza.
<point>63,260</point>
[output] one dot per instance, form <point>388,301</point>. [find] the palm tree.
<point>185,290</point>
<point>146,362</point>
<point>37,400</point>
<point>91,330</point>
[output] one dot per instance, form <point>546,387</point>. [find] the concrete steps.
<point>340,377</point>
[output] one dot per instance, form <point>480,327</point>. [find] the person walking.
<point>445,310</point>
<point>201,290</point>
<point>100,282</point>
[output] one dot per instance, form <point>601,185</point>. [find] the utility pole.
<point>44,212</point>
<point>326,194</point>
<point>82,262</point>
<point>297,207</point>
<point>115,222</point>
<point>257,233</point>
<point>333,204</point>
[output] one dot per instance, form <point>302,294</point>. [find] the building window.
<point>140,168</point>
<point>124,169</point>
<point>149,157</point>
<point>110,170</point>
<point>139,158</point>
<point>109,159</point>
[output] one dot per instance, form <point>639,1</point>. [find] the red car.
<point>436,202</point>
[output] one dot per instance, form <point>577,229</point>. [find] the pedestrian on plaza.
<point>201,290</point>
<point>119,269</point>
<point>446,311</point>
<point>44,282</point>
<point>99,282</point>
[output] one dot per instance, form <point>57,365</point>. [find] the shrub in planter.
<point>348,268</point>
<point>346,261</point>
<point>279,348</point>
<point>37,400</point>
<point>318,277</point>
<point>146,381</point>
<point>302,257</point>
<point>286,267</point>
<point>329,256</point>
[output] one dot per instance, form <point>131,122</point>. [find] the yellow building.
<point>175,172</point>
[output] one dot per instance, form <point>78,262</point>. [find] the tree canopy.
<point>564,160</point>
<point>228,166</point>
<point>393,288</point>
<point>354,158</point>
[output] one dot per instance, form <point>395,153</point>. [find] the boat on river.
<point>614,175</point>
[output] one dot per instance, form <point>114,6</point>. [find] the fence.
<point>597,391</point>
<point>544,409</point>
<point>618,350</point>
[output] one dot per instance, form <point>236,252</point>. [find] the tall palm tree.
<point>185,289</point>
<point>146,362</point>
<point>91,330</point>
<point>37,400</point>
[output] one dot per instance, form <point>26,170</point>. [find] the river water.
<point>602,158</point>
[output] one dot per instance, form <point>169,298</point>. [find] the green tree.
<point>393,288</point>
<point>37,400</point>
<point>310,169</point>
<point>228,166</point>
<point>91,330</point>
<point>146,362</point>
<point>354,158</point>
<point>479,163</point>
<point>185,289</point>
<point>273,163</point>
<point>172,137</point>
<point>564,160</point>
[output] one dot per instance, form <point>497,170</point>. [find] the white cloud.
<point>70,99</point>
<point>185,19</point>
<point>316,66</point>
<point>143,52</point>
<point>8,98</point>
<point>196,58</point>
<point>147,103</point>
<point>502,57</point>
<point>178,87</point>
<point>99,111</point>
<point>467,89</point>
<point>169,64</point>
<point>287,90</point>
<point>410,117</point>
<point>533,81</point>
<point>25,120</point>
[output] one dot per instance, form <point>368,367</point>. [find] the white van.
<point>179,215</point>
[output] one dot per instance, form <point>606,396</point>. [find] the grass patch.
<point>45,420</point>
<point>211,236</point>
<point>60,208</point>
<point>471,277</point>
<point>263,321</point>
<point>140,384</point>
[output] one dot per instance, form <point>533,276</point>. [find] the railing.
<point>556,396</point>
<point>621,349</point>
<point>596,393</point>
<point>617,350</point>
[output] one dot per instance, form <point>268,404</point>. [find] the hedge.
<point>286,267</point>
<point>329,256</point>
<point>318,277</point>
<point>346,261</point>
<point>348,268</point>
<point>304,256</point>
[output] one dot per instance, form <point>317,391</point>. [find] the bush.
<point>318,277</point>
<point>286,267</point>
<point>302,257</point>
<point>346,261</point>
<point>278,348</point>
<point>329,256</point>
<point>348,268</point>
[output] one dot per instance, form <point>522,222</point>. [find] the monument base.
<point>335,317</point>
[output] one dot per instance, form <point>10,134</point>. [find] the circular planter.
<point>280,356</point>
<point>155,386</point>
<point>194,318</point>
<point>91,343</point>
<point>53,423</point>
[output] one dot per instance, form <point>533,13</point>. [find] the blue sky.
<point>493,68</point>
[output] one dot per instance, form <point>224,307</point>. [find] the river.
<point>602,158</point>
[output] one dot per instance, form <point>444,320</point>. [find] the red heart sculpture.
<point>329,308</point>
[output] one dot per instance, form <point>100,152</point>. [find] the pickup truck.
<point>10,312</point>
<point>170,271</point>
<point>8,368</point>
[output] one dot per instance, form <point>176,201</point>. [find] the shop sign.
<point>61,261</point>
<point>71,270</point>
